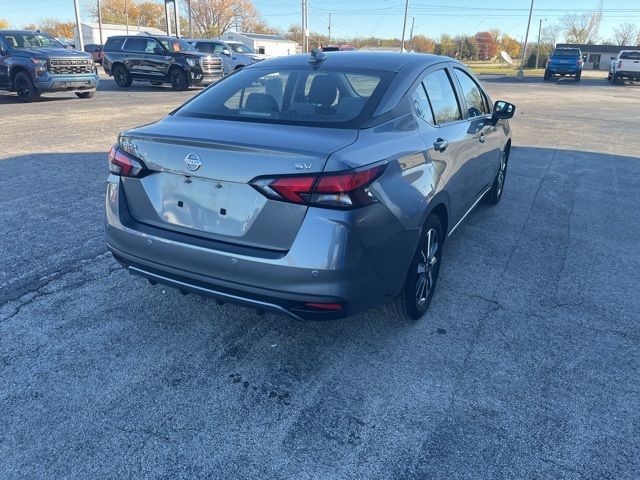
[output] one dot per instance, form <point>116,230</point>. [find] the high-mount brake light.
<point>343,190</point>
<point>124,164</point>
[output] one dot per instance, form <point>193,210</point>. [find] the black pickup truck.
<point>33,63</point>
<point>159,59</point>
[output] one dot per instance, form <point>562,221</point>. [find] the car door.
<point>134,52</point>
<point>155,60</point>
<point>446,134</point>
<point>477,109</point>
<point>4,67</point>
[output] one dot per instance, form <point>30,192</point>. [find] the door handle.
<point>482,138</point>
<point>440,145</point>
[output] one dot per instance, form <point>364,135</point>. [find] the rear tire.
<point>25,88</point>
<point>178,79</point>
<point>420,284</point>
<point>122,76</point>
<point>85,94</point>
<point>494,194</point>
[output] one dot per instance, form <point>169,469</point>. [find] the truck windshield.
<point>177,45</point>
<point>342,98</point>
<point>28,40</point>
<point>241,48</point>
<point>566,52</point>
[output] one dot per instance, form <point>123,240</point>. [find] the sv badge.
<point>303,166</point>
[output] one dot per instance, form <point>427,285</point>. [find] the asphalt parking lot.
<point>526,366</point>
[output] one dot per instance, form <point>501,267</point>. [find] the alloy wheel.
<point>23,88</point>
<point>426,267</point>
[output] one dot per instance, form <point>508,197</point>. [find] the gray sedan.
<point>313,186</point>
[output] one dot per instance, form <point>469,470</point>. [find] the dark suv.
<point>32,63</point>
<point>159,59</point>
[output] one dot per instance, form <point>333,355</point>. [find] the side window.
<point>151,46</point>
<point>421,104</point>
<point>136,45</point>
<point>473,97</point>
<point>3,45</point>
<point>442,97</point>
<point>113,44</point>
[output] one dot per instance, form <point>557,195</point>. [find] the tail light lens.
<point>125,165</point>
<point>343,190</point>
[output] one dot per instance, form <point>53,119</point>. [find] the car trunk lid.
<point>202,170</point>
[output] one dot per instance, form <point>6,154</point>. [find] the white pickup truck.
<point>625,65</point>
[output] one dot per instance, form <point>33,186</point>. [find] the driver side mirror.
<point>226,51</point>
<point>502,111</point>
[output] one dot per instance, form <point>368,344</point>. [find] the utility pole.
<point>100,22</point>
<point>520,74</point>
<point>78,26</point>
<point>176,14</point>
<point>167,16</point>
<point>538,50</point>
<point>305,29</point>
<point>126,13</point>
<point>404,24</point>
<point>413,21</point>
<point>329,28</point>
<point>190,23</point>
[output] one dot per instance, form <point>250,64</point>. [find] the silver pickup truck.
<point>235,55</point>
<point>625,65</point>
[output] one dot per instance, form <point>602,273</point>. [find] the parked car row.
<point>625,66</point>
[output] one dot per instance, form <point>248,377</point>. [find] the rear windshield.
<point>630,56</point>
<point>567,52</point>
<point>293,96</point>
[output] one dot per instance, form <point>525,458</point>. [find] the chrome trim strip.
<point>469,211</point>
<point>214,293</point>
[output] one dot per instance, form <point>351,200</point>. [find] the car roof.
<point>383,61</point>
<point>19,31</point>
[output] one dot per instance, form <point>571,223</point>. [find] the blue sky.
<point>384,17</point>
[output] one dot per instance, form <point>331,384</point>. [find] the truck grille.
<point>211,65</point>
<point>71,66</point>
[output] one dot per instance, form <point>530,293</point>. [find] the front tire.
<point>420,284</point>
<point>25,88</point>
<point>85,94</point>
<point>178,79</point>
<point>494,194</point>
<point>122,76</point>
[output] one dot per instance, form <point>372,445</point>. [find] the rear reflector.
<point>334,307</point>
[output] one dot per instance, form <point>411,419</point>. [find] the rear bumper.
<point>333,260</point>
<point>563,69</point>
<point>63,83</point>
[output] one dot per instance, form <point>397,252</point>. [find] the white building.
<point>91,31</point>
<point>273,45</point>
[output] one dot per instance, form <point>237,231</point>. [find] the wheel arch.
<point>13,73</point>
<point>439,205</point>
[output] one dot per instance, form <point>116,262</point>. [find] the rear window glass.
<point>567,52</point>
<point>630,56</point>
<point>292,95</point>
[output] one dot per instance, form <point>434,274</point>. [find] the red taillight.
<point>334,190</point>
<point>124,164</point>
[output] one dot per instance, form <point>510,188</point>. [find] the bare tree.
<point>581,28</point>
<point>551,34</point>
<point>625,34</point>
